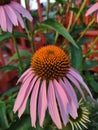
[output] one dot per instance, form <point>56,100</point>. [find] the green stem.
<point>85,30</point>
<point>31,39</point>
<point>17,51</point>
<point>70,21</point>
<point>47,8</point>
<point>68,6</point>
<point>56,36</point>
<point>79,13</point>
<point>93,43</point>
<point>91,51</point>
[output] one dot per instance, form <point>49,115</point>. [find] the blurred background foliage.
<point>61,23</point>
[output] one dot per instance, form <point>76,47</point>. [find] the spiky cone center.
<point>50,62</point>
<point>3,2</point>
<point>82,119</point>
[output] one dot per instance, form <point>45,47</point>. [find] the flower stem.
<point>70,21</point>
<point>85,30</point>
<point>47,8</point>
<point>79,13</point>
<point>30,38</point>
<point>91,51</point>
<point>18,54</point>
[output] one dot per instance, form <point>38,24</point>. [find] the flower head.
<point>93,9</point>
<point>82,119</point>
<point>11,13</point>
<point>50,80</point>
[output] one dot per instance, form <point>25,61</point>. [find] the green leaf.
<point>7,35</point>
<point>8,68</point>
<point>22,53</point>
<point>24,123</point>
<point>50,38</point>
<point>10,91</point>
<point>3,118</point>
<point>52,24</point>
<point>89,64</point>
<point>20,34</point>
<point>91,81</point>
<point>76,58</point>
<point>84,40</point>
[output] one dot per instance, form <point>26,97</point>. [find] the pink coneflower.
<point>93,9</point>
<point>11,13</point>
<point>50,80</point>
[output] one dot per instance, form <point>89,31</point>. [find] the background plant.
<point>60,23</point>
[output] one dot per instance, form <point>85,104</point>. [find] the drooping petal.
<point>33,102</point>
<point>23,75</point>
<point>77,76</point>
<point>19,18</point>
<point>72,71</point>
<point>74,81</point>
<point>92,9</point>
<point>72,108</point>
<point>97,16</point>
<point>28,75</point>
<point>52,106</point>
<point>62,101</point>
<point>21,94</point>
<point>71,92</point>
<point>9,24</point>
<point>28,91</point>
<point>42,103</point>
<point>11,14</point>
<point>21,10</point>
<point>3,21</point>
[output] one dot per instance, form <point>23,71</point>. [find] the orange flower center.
<point>50,62</point>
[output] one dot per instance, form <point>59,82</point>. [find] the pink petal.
<point>22,94</point>
<point>28,75</point>
<point>97,16</point>
<point>42,103</point>
<point>19,18</point>
<point>52,106</point>
<point>92,9</point>
<point>9,24</point>
<point>23,75</point>
<point>74,81</point>
<point>33,102</point>
<point>21,10</point>
<point>72,71</point>
<point>23,105</point>
<point>77,76</point>
<point>62,101</point>
<point>3,21</point>
<point>11,14</point>
<point>71,92</point>
<point>72,109</point>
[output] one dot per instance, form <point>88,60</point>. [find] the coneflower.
<point>11,14</point>
<point>83,118</point>
<point>49,80</point>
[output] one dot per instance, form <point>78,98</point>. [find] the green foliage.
<point>59,28</point>
<point>6,35</point>
<point>89,64</point>
<point>6,105</point>
<point>76,58</point>
<point>55,32</point>
<point>23,53</point>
